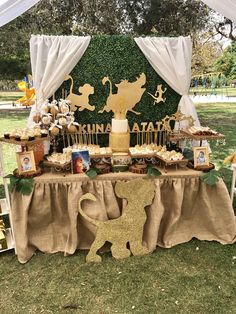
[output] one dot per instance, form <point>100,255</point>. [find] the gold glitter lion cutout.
<point>128,228</point>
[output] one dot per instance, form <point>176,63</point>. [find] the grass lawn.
<point>10,96</point>
<point>196,277</point>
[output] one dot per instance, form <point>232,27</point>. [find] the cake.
<point>119,138</point>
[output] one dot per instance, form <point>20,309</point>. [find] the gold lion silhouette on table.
<point>128,227</point>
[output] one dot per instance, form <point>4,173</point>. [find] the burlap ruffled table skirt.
<point>184,207</point>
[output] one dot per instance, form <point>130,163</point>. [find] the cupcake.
<point>13,134</point>
<point>18,136</point>
<point>30,133</point>
<point>44,133</point>
<point>7,135</point>
<point>37,132</point>
<point>24,137</point>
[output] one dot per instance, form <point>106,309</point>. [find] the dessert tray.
<point>58,161</point>
<point>22,142</point>
<point>169,158</point>
<point>144,151</point>
<point>200,133</point>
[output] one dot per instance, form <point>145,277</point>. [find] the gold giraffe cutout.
<point>80,101</point>
<point>128,95</point>
<point>128,227</point>
<point>158,96</point>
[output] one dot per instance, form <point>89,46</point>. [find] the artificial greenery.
<point>153,171</point>
<point>188,153</point>
<point>120,58</point>
<point>22,185</point>
<point>211,177</point>
<point>92,172</point>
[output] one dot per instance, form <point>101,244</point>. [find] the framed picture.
<point>201,156</point>
<point>80,161</point>
<point>26,162</point>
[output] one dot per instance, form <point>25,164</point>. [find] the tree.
<point>174,18</point>
<point>82,17</point>
<point>226,63</point>
<point>226,28</point>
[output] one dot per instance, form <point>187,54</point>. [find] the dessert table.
<point>183,207</point>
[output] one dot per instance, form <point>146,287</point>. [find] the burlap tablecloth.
<point>184,207</point>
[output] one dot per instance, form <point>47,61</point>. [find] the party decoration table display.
<point>128,228</point>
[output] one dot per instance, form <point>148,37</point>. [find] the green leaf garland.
<point>152,171</point>
<point>211,177</point>
<point>92,173</point>
<point>22,185</point>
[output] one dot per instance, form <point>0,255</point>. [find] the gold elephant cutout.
<point>128,228</point>
<point>80,101</point>
<point>128,95</point>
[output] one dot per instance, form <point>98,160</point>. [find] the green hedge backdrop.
<point>119,58</point>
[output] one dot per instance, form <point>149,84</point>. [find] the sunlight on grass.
<point>10,96</point>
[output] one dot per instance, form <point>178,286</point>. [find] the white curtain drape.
<point>171,59</point>
<point>52,58</point>
<point>224,7</point>
<point>10,9</point>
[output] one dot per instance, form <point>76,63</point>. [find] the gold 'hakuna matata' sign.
<point>163,125</point>
<point>128,228</point>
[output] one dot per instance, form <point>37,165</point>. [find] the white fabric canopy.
<point>10,9</point>
<point>224,7</point>
<point>171,59</point>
